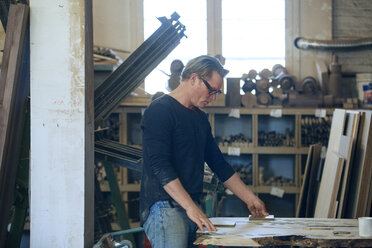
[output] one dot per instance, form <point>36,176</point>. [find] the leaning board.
<point>324,201</point>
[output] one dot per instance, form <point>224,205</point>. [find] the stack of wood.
<point>279,181</point>
<point>272,138</point>
<point>310,182</point>
<point>104,56</point>
<point>314,129</point>
<point>279,87</point>
<point>345,188</point>
<point>245,172</point>
<point>236,140</point>
<point>110,129</point>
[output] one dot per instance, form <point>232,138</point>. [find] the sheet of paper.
<point>234,113</point>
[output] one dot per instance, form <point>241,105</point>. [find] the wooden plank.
<point>337,127</point>
<point>361,174</point>
<point>327,186</point>
<point>330,166</point>
<point>266,218</point>
<point>226,222</point>
<point>14,88</point>
<point>352,132</point>
<point>334,203</point>
<point>304,185</point>
<point>313,182</point>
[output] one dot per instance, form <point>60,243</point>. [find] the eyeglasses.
<point>211,90</point>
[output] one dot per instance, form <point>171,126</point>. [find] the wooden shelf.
<point>123,188</point>
<point>251,121</point>
<point>267,189</point>
<point>267,111</point>
<point>268,150</point>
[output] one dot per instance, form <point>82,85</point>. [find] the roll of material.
<point>365,226</point>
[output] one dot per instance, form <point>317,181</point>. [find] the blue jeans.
<point>168,226</point>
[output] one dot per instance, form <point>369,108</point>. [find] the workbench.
<point>307,232</point>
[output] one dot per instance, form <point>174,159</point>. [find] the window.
<point>253,35</point>
<point>194,17</point>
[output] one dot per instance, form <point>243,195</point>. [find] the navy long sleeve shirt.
<point>176,142</point>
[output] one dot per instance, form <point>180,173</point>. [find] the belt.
<point>174,204</point>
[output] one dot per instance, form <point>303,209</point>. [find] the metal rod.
<point>102,112</point>
<point>133,71</point>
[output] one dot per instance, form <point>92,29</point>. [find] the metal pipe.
<point>332,45</point>
<point>133,71</point>
<point>132,79</point>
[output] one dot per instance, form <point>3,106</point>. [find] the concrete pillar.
<point>62,161</point>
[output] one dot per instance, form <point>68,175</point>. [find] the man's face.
<point>206,90</point>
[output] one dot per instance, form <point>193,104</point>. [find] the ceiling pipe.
<point>333,45</point>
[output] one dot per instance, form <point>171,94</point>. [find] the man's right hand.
<point>196,215</point>
<point>179,194</point>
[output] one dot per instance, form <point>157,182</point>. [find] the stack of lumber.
<point>310,183</point>
<point>345,187</point>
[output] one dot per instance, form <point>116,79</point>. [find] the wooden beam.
<point>14,88</point>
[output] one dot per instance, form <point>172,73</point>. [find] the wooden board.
<point>266,218</point>
<point>288,231</point>
<point>324,202</point>
<point>360,194</point>
<point>334,191</point>
<point>300,210</point>
<point>329,186</point>
<point>226,221</point>
<point>337,127</point>
<point>313,182</point>
<point>352,132</point>
<point>14,88</point>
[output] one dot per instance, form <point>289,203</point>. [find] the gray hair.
<point>203,66</point>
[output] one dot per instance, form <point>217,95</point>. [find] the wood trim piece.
<point>305,181</point>
<point>14,88</point>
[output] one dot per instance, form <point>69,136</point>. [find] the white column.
<point>62,186</point>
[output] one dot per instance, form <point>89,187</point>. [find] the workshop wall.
<point>353,20</point>
<point>118,25</point>
<point>309,19</point>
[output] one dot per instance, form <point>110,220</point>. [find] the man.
<point>177,140</point>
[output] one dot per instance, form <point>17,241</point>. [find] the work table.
<point>308,232</point>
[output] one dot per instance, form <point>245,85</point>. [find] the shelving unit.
<point>285,161</point>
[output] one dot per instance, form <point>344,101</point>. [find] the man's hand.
<point>179,194</point>
<point>256,207</point>
<point>197,216</point>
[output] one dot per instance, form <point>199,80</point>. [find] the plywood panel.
<point>352,132</point>
<point>361,174</point>
<point>323,203</point>
<point>328,186</point>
